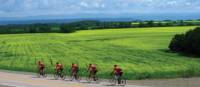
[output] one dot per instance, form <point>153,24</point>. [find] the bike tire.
<point>97,80</point>
<point>78,77</point>
<point>56,76</point>
<point>113,81</point>
<point>44,75</point>
<point>88,79</point>
<point>123,82</point>
<point>63,76</point>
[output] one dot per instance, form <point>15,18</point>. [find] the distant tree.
<point>150,23</point>
<point>187,43</point>
<point>124,25</point>
<point>181,23</point>
<point>32,29</point>
<point>44,28</point>
<point>142,24</point>
<point>66,28</point>
<point>169,23</point>
<point>160,24</point>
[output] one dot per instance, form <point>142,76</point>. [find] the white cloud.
<point>84,4</point>
<point>188,3</point>
<point>172,3</point>
<point>102,5</point>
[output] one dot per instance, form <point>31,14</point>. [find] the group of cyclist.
<point>92,70</point>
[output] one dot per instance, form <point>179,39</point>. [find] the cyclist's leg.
<point>61,73</point>
<point>115,78</point>
<point>75,75</point>
<point>43,72</point>
<point>90,74</point>
<point>119,79</point>
<point>57,71</point>
<point>71,75</point>
<point>39,71</point>
<point>93,76</point>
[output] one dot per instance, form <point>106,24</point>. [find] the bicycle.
<point>41,73</point>
<point>118,80</point>
<point>75,76</point>
<point>93,78</point>
<point>59,74</point>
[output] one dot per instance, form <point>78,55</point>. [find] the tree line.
<point>32,28</point>
<point>88,25</point>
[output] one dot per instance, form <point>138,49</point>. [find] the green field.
<point>141,52</point>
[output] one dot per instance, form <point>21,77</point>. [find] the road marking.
<point>78,85</point>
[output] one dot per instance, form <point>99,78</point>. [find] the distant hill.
<point>99,17</point>
<point>5,22</point>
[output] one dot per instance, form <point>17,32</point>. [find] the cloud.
<point>84,4</point>
<point>172,3</point>
<point>65,7</point>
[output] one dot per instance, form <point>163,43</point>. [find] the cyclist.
<point>89,67</point>
<point>59,67</point>
<point>74,69</point>
<point>92,71</point>
<point>41,67</point>
<point>117,73</point>
<point>115,67</point>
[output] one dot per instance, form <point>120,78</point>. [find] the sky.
<point>29,8</point>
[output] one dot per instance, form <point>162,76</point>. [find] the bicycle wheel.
<point>123,82</point>
<point>72,77</point>
<point>63,76</point>
<point>44,75</point>
<point>97,79</point>
<point>56,76</point>
<point>94,79</point>
<point>113,81</point>
<point>78,77</point>
<point>38,74</point>
<point>88,79</point>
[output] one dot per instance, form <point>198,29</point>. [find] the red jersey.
<point>59,66</point>
<point>93,68</point>
<point>115,69</point>
<point>41,65</point>
<point>89,68</point>
<point>118,71</point>
<point>74,67</point>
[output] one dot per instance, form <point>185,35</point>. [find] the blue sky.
<point>26,8</point>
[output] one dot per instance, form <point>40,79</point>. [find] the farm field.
<point>141,52</point>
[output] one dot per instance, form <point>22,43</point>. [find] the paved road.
<point>29,80</point>
<point>16,79</point>
<point>5,86</point>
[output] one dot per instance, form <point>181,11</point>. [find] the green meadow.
<point>142,53</point>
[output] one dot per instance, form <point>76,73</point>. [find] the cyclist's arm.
<point>113,72</point>
<point>56,68</point>
<point>88,69</point>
